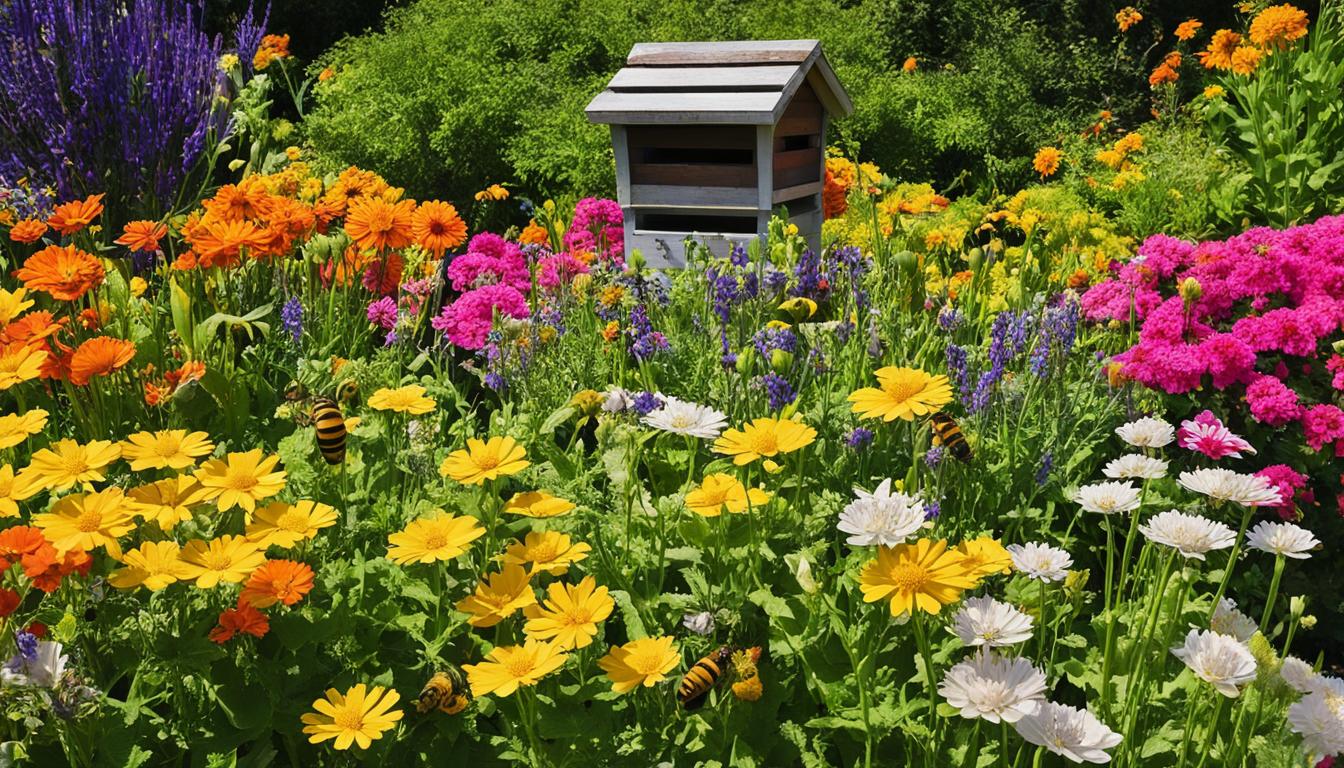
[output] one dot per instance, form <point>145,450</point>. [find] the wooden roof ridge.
<point>749,82</point>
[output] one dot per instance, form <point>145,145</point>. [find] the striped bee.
<point>703,676</point>
<point>447,691</point>
<point>330,427</point>
<point>949,435</point>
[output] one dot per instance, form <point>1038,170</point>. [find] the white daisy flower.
<point>1147,432</point>
<point>881,518</point>
<point>1191,535</point>
<point>984,621</point>
<point>1319,718</point>
<point>617,400</point>
<point>1040,561</point>
<point>1282,539</point>
<point>1298,674</point>
<point>1220,660</point>
<point>1226,485</point>
<point>993,687</point>
<point>701,623</point>
<point>1108,498</point>
<point>1068,731</point>
<point>44,670</point>
<point>689,419</point>
<point>1135,466</point>
<point>1227,620</point>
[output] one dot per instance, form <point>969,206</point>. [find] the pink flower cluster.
<point>467,321</point>
<point>1288,483</point>
<point>1248,303</point>
<point>597,228</point>
<point>489,260</point>
<point>557,269</point>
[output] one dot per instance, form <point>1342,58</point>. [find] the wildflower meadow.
<point>319,446</point>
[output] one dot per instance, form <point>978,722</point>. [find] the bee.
<point>447,691</point>
<point>703,676</point>
<point>330,427</point>
<point>949,435</point>
<point>295,391</point>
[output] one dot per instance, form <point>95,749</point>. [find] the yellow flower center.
<point>167,446</point>
<point>293,521</point>
<point>487,461</point>
<point>89,521</point>
<point>349,719</point>
<point>579,616</point>
<point>519,665</point>
<point>646,663</point>
<point>74,464</point>
<point>240,481</point>
<point>765,443</point>
<point>217,560</point>
<point>543,552</point>
<point>909,577</point>
<point>902,389</point>
<point>436,540</point>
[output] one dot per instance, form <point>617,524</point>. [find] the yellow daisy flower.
<point>169,448</point>
<point>923,575</point>
<point>359,716</point>
<point>643,662</point>
<point>509,666</point>
<point>481,461</point>
<point>155,565</point>
<point>241,480</point>
<point>548,551</point>
<point>169,501</point>
<point>229,559</point>
<point>13,304</point>
<point>538,504</point>
<point>500,597</point>
<point>985,556</point>
<point>904,393</point>
<point>87,521</point>
<point>19,363</point>
<point>15,428</point>
<point>766,437</point>
<point>569,615</point>
<point>719,492</point>
<point>408,399</point>
<point>434,538</point>
<point>15,488</point>
<point>66,462</point>
<point>283,525</point>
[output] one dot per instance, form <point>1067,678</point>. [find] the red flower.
<point>9,602</point>
<point>244,619</point>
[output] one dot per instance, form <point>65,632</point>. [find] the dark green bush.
<point>454,94</point>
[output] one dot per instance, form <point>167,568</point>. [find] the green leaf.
<point>634,625</point>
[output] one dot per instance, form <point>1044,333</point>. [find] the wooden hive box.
<point>711,138</point>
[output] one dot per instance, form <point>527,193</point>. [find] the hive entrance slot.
<point>696,156</point>
<point>695,222</point>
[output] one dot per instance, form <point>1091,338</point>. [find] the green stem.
<point>1279,562</point>
<point>1232,560</point>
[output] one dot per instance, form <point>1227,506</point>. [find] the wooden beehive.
<point>711,138</point>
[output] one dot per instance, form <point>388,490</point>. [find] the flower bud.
<point>1191,290</point>
<point>905,261</point>
<point>781,361</point>
<point>803,573</point>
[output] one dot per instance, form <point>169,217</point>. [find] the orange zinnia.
<point>18,541</point>
<point>1279,26</point>
<point>278,581</point>
<point>1162,75</point>
<point>66,273</point>
<point>101,356</point>
<point>1221,47</point>
<point>1187,29</point>
<point>71,217</point>
<point>27,231</point>
<point>142,235</point>
<point>245,619</point>
<point>437,227</point>
<point>245,200</point>
<point>1245,59</point>
<point>31,328</point>
<point>221,243</point>
<point>375,224</point>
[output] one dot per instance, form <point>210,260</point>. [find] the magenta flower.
<point>597,228</point>
<point>1323,424</point>
<point>1272,402</point>
<point>467,322</point>
<point>1288,483</point>
<point>383,313</point>
<point>1206,434</point>
<point>557,269</point>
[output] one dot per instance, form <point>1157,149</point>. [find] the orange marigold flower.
<point>437,227</point>
<point>534,234</point>
<point>89,319</point>
<point>1046,161</point>
<point>221,243</point>
<point>1278,26</point>
<point>278,581</point>
<point>272,47</point>
<point>384,275</point>
<point>244,618</point>
<point>28,231</point>
<point>66,273</point>
<point>910,64</point>
<point>493,192</point>
<point>1172,59</point>
<point>326,74</point>
<point>142,235</point>
<point>32,328</point>
<point>18,541</point>
<point>1128,17</point>
<point>69,218</point>
<point>375,224</point>
<point>1187,29</point>
<point>1161,75</point>
<point>101,356</point>
<point>246,200</point>
<point>834,200</point>
<point>186,261</point>
<point>1245,59</point>
<point>1221,47</point>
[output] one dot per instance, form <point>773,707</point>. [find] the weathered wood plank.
<point>796,191</point>
<point>679,196</point>
<point>731,52</point>
<point>691,136</point>
<point>691,175</point>
<point>796,167</point>
<point>700,78</point>
<point>751,107</point>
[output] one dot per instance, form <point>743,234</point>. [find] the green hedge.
<point>454,94</point>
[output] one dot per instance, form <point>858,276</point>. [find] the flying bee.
<point>447,691</point>
<point>329,425</point>
<point>703,675</point>
<point>949,435</point>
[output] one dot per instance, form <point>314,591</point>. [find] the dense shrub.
<point>453,93</point>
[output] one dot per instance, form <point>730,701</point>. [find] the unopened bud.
<point>1191,290</point>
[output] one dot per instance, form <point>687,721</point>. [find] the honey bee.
<point>447,691</point>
